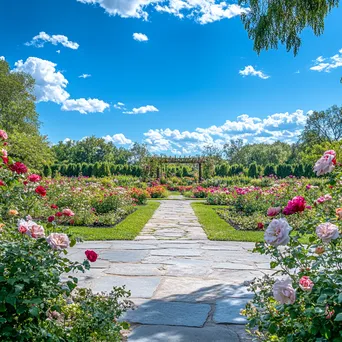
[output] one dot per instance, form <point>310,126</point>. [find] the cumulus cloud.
<point>50,83</point>
<point>2,58</point>
<point>250,71</point>
<point>327,64</point>
<point>203,11</point>
<point>42,38</point>
<point>84,76</point>
<point>118,139</point>
<point>85,106</point>
<point>140,37</point>
<point>143,110</point>
<point>279,126</point>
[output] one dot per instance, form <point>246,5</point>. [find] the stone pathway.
<point>186,288</point>
<point>173,220</point>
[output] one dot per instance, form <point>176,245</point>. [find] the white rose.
<point>327,232</point>
<point>283,291</point>
<point>277,232</point>
<point>326,163</point>
<point>58,241</point>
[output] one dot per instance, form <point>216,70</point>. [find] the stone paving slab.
<point>169,313</point>
<point>162,333</point>
<point>228,311</point>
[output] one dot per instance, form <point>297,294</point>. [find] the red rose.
<point>51,218</point>
<point>59,214</point>
<point>40,190</point>
<point>72,222</point>
<point>34,178</point>
<point>260,225</point>
<point>91,255</point>
<point>5,160</point>
<point>19,168</point>
<point>2,183</point>
<point>54,206</point>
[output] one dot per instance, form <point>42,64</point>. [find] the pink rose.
<point>277,232</point>
<point>58,241</point>
<point>327,232</point>
<point>3,135</point>
<point>306,284</point>
<point>273,211</point>
<point>4,153</point>
<point>36,231</point>
<point>326,163</point>
<point>297,204</point>
<point>283,291</point>
<point>34,178</point>
<point>68,212</point>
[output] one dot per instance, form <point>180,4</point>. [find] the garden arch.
<point>159,161</point>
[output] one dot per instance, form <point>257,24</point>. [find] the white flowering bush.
<point>302,299</point>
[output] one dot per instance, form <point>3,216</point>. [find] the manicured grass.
<point>128,229</point>
<point>218,229</point>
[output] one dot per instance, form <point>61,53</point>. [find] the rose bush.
<point>302,299</point>
<point>39,300</point>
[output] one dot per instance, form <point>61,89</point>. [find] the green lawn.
<point>128,229</point>
<point>218,229</point>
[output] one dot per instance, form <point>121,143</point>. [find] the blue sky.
<point>190,78</point>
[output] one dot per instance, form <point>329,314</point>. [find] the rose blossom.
<point>283,291</point>
<point>59,214</point>
<point>3,135</point>
<point>54,206</point>
<point>319,250</point>
<point>19,168</point>
<point>23,226</point>
<point>323,199</point>
<point>273,211</point>
<point>306,284</point>
<point>58,241</point>
<point>339,213</point>
<point>34,178</point>
<point>13,212</point>
<point>277,232</point>
<point>4,153</point>
<point>297,204</point>
<point>40,190</point>
<point>36,231</point>
<point>327,232</point>
<point>91,255</point>
<point>260,225</point>
<point>326,163</point>
<point>329,313</point>
<point>2,183</point>
<point>51,218</point>
<point>68,212</point>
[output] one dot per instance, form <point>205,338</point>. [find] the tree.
<point>323,126</point>
<point>17,102</point>
<point>253,171</point>
<point>269,22</point>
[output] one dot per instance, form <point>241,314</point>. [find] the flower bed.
<point>35,303</point>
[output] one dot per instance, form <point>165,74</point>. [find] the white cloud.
<point>2,58</point>
<point>140,37</point>
<point>58,51</point>
<point>279,126</point>
<point>327,64</point>
<point>119,105</point>
<point>250,71</point>
<point>85,106</point>
<point>84,76</point>
<point>50,83</point>
<point>203,11</point>
<point>55,39</point>
<point>143,110</point>
<point>118,139</point>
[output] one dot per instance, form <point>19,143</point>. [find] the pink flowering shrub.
<point>38,296</point>
<point>302,299</point>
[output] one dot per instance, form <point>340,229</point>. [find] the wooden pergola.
<point>159,160</point>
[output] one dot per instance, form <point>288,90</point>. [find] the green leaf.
<point>11,300</point>
<point>34,311</point>
<point>338,317</point>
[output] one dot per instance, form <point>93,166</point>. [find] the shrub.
<point>158,191</point>
<point>140,196</point>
